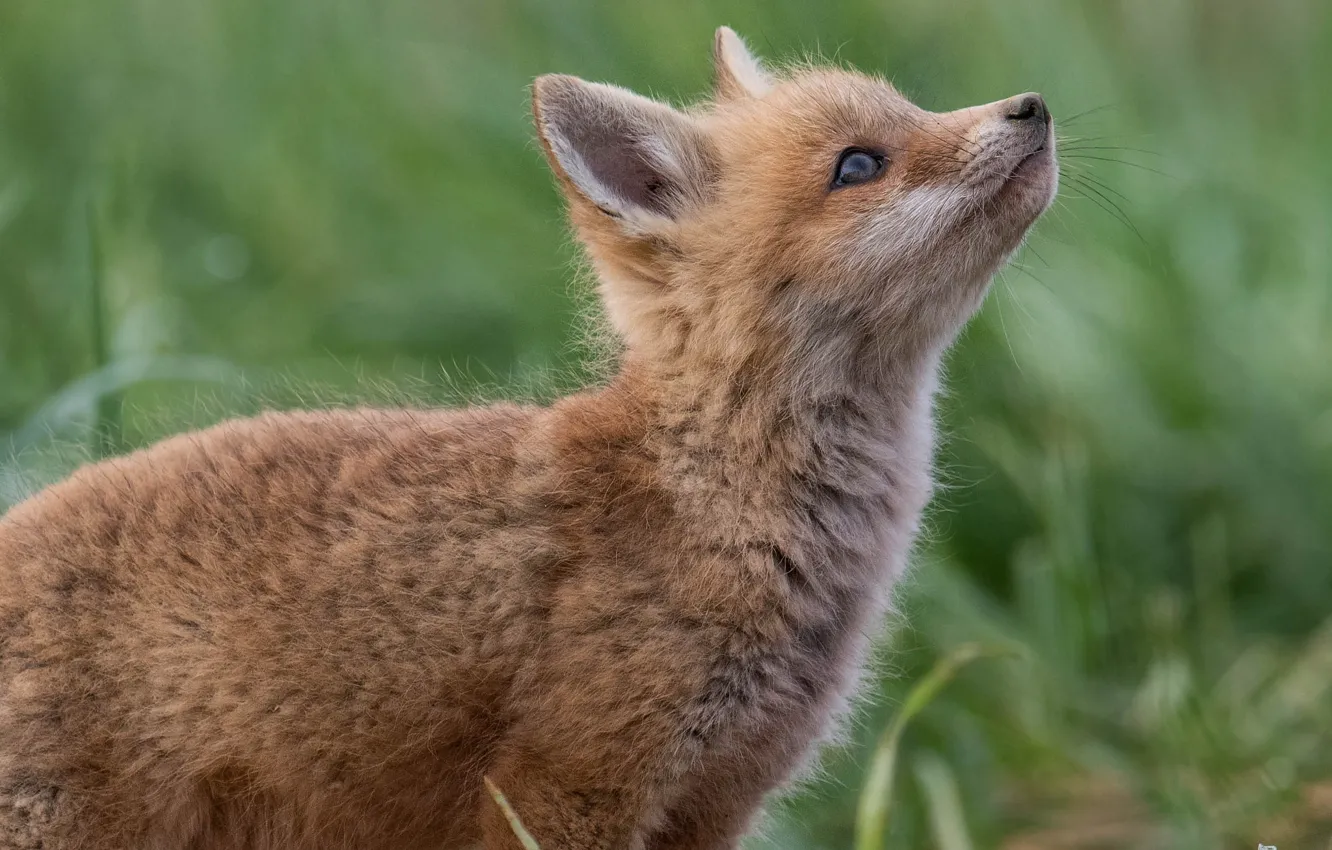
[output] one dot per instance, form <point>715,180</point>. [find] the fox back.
<point>636,611</point>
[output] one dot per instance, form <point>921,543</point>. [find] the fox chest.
<point>766,706</point>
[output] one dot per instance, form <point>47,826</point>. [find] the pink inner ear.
<point>617,160</point>
<point>604,139</point>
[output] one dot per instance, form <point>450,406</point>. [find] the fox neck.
<point>818,440</point>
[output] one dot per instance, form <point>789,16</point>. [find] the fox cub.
<point>636,611</point>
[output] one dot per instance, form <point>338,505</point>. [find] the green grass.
<point>515,822</point>
<point>207,207</point>
<point>875,808</point>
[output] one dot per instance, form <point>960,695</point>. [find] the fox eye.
<point>857,166</point>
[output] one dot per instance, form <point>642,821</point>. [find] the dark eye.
<point>857,166</point>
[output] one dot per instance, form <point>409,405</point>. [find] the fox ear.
<point>635,159</point>
<point>738,72</point>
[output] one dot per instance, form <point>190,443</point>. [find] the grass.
<point>209,207</point>
<point>876,798</point>
<point>875,802</point>
<point>515,823</point>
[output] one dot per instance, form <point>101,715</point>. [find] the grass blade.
<point>872,812</point>
<point>515,823</point>
<point>943,802</point>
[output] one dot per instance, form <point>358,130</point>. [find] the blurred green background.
<point>212,206</point>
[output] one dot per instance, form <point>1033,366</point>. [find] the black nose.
<point>1027,107</point>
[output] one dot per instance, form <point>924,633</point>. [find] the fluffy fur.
<point>635,610</point>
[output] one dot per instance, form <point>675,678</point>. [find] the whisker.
<point>1109,206</point>
<point>1104,137</point>
<point>1080,181</point>
<point>1032,248</point>
<point>1101,184</point>
<point>1003,323</point>
<point>1076,155</point>
<point>1059,210</point>
<point>1076,147</point>
<point>1017,301</point>
<point>1028,272</point>
<point>1086,112</point>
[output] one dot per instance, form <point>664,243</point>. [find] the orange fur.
<point>636,610</point>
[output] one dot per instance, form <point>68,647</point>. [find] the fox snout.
<point>1011,137</point>
<point>1028,120</point>
<point>1027,108</point>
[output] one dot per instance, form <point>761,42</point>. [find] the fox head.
<point>809,215</point>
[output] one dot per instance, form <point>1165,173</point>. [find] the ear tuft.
<point>738,73</point>
<point>632,157</point>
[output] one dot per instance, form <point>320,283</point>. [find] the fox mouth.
<point>1032,160</point>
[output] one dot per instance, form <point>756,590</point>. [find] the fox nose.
<point>1027,107</point>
